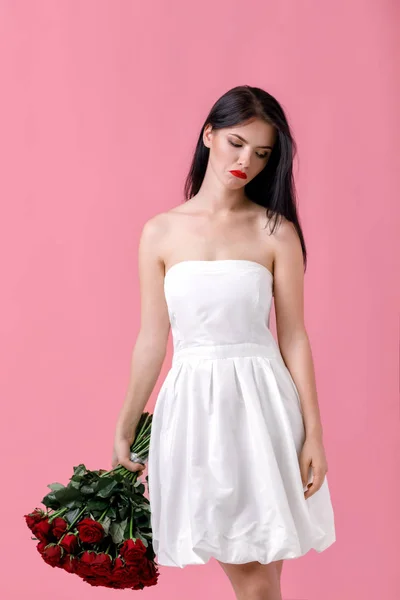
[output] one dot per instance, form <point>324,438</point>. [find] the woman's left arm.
<point>295,346</point>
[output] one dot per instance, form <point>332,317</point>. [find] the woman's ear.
<point>207,133</point>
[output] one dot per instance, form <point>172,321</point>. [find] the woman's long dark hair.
<point>274,186</point>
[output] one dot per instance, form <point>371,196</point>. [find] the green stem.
<point>131,524</point>
<point>57,513</point>
<point>72,524</point>
<point>144,428</point>
<point>99,520</point>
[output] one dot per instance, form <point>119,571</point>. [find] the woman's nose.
<point>244,160</point>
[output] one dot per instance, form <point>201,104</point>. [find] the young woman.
<point>237,468</point>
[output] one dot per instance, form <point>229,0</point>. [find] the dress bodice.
<point>212,302</point>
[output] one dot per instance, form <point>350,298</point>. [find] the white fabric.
<point>224,477</point>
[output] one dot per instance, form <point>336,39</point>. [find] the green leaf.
<point>71,515</point>
<point>80,470</point>
<point>50,501</point>
<point>111,513</point>
<point>74,504</point>
<point>87,489</point>
<point>140,489</point>
<point>117,531</point>
<point>56,486</point>
<point>141,521</point>
<point>107,490</point>
<point>106,522</point>
<point>94,504</point>
<point>124,512</point>
<point>68,494</point>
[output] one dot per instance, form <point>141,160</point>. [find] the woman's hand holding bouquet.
<point>98,526</point>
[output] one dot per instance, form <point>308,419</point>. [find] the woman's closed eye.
<point>240,145</point>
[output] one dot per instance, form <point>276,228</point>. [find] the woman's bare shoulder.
<point>165,219</point>
<point>158,229</point>
<point>285,231</point>
<point>286,243</point>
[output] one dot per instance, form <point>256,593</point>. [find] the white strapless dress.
<point>223,471</point>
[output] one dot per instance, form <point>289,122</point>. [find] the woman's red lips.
<point>239,174</point>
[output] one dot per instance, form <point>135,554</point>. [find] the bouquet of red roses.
<point>98,526</point>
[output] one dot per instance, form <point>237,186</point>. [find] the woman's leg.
<point>254,581</point>
<point>279,566</point>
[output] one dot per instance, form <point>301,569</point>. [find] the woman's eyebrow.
<point>246,142</point>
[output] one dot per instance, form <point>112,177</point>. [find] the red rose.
<point>41,546</point>
<point>116,585</point>
<point>34,517</point>
<point>123,573</point>
<point>70,543</point>
<point>90,531</point>
<point>59,527</point>
<point>138,586</point>
<point>132,550</point>
<point>133,572</point>
<point>148,572</point>
<point>101,565</point>
<point>85,562</point>
<point>69,563</point>
<point>42,530</point>
<point>95,568</point>
<point>52,555</point>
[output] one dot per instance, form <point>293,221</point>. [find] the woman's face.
<point>244,148</point>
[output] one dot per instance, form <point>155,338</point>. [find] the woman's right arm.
<point>151,343</point>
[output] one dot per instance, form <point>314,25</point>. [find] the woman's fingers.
<point>131,466</point>
<point>122,456</point>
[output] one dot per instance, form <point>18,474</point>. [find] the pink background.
<point>101,106</point>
